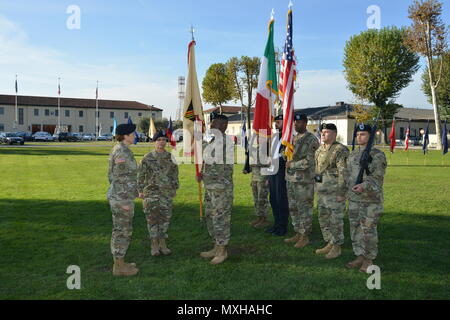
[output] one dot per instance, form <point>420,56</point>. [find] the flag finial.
<point>272,14</point>
<point>192,30</point>
<point>290,5</point>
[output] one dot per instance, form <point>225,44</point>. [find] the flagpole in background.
<point>59,105</point>
<point>96,113</point>
<point>16,110</point>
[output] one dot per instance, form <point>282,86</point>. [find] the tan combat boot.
<point>155,247</point>
<point>221,255</point>
<point>255,222</point>
<point>295,238</point>
<point>209,254</point>
<point>325,249</point>
<point>302,242</point>
<point>355,263</point>
<point>262,223</point>
<point>120,268</point>
<point>163,247</point>
<point>366,264</point>
<point>334,252</point>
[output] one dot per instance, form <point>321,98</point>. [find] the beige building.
<point>77,115</point>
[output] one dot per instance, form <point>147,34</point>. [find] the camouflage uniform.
<point>300,182</point>
<point>158,181</point>
<point>122,191</point>
<point>260,188</point>
<point>331,164</point>
<point>364,209</point>
<point>218,182</point>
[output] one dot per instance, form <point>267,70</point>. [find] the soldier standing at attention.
<point>122,191</point>
<point>365,201</point>
<point>331,189</point>
<point>260,189</point>
<point>217,176</point>
<point>157,185</point>
<point>300,182</point>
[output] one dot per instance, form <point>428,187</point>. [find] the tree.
<point>377,67</point>
<point>362,113</point>
<point>443,90</point>
<point>217,86</point>
<point>428,36</point>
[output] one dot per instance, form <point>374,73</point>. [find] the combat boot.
<point>355,263</point>
<point>155,247</point>
<point>295,238</point>
<point>209,254</point>
<point>221,255</point>
<point>325,249</point>
<point>262,223</point>
<point>366,264</point>
<point>120,268</point>
<point>163,247</point>
<point>334,252</point>
<point>255,222</point>
<point>302,242</point>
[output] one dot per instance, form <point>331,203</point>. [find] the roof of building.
<point>344,110</point>
<point>36,101</point>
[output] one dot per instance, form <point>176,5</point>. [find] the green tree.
<point>428,36</point>
<point>377,67</point>
<point>217,85</point>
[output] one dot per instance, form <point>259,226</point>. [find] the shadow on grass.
<point>50,152</point>
<point>420,166</point>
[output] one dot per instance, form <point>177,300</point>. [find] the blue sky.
<point>137,48</point>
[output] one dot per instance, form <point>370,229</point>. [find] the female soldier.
<point>157,185</point>
<point>121,194</point>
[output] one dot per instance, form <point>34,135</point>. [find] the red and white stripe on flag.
<point>287,78</point>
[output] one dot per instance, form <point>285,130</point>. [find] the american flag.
<point>407,137</point>
<point>288,74</point>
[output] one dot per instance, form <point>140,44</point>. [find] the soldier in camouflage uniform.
<point>260,190</point>
<point>365,201</point>
<point>122,191</point>
<point>300,182</point>
<point>217,176</point>
<point>331,189</point>
<point>157,185</point>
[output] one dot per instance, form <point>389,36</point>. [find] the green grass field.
<point>54,213</point>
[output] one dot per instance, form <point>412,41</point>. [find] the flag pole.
<point>96,113</point>
<point>16,110</point>
<point>59,105</point>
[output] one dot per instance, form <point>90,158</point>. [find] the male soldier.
<point>217,176</point>
<point>260,189</point>
<point>365,200</point>
<point>277,184</point>
<point>331,188</point>
<point>300,182</point>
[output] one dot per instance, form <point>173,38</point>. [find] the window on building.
<point>47,112</point>
<point>111,114</point>
<point>126,115</point>
<point>56,112</point>
<point>153,115</point>
<point>67,113</point>
<point>2,127</point>
<point>36,112</point>
<point>402,133</point>
<point>21,116</point>
<point>80,113</point>
<point>2,110</point>
<point>111,129</point>
<point>140,114</point>
<point>80,129</point>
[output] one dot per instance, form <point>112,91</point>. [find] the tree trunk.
<point>437,118</point>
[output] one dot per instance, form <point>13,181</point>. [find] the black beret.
<point>363,127</point>
<point>329,126</point>
<point>215,116</point>
<point>160,134</point>
<point>125,128</point>
<point>280,117</point>
<point>301,117</point>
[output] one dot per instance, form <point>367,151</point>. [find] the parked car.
<point>42,136</point>
<point>88,137</point>
<point>105,137</point>
<point>26,136</point>
<point>67,136</point>
<point>10,138</point>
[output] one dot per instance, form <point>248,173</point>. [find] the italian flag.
<point>267,90</point>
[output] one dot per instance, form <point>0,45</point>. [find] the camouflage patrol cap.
<point>329,126</point>
<point>363,127</point>
<point>125,128</point>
